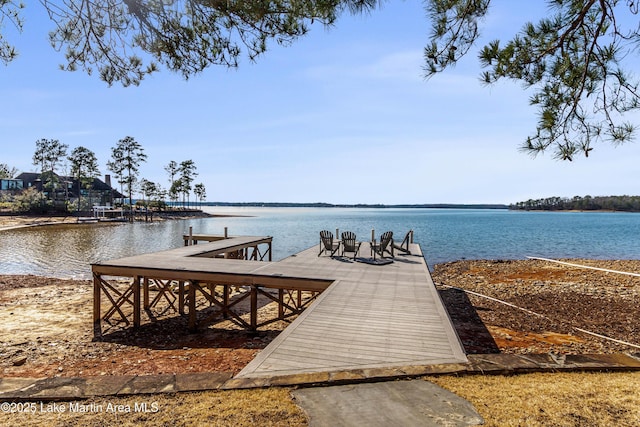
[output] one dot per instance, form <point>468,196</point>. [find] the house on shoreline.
<point>64,188</point>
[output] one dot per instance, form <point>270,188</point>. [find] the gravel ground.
<point>563,298</point>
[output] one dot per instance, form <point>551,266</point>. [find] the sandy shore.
<point>47,331</point>
<point>47,322</point>
<point>22,221</point>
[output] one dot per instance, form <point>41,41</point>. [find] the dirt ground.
<point>47,323</point>
<point>562,302</point>
<point>47,331</point>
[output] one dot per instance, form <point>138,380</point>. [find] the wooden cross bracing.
<point>117,297</point>
<point>164,290</point>
<point>189,297</point>
<point>185,281</point>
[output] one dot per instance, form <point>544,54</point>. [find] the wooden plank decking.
<point>368,316</point>
<point>372,316</point>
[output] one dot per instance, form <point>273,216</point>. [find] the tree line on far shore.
<point>577,203</point>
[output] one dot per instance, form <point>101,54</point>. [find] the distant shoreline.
<point>575,210</point>
<point>357,205</point>
<point>399,206</point>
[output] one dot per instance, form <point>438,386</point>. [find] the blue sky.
<point>342,116</point>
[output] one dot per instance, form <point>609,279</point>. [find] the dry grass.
<point>551,399</point>
<point>547,399</point>
<point>271,407</point>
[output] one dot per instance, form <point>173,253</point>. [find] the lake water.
<point>444,235</point>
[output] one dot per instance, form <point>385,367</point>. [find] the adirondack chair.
<point>385,245</point>
<point>349,243</point>
<point>327,244</point>
<point>404,246</point>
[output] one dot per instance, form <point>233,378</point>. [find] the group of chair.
<point>349,244</point>
<point>331,246</point>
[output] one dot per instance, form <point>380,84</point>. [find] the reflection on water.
<point>67,250</point>
<point>444,234</point>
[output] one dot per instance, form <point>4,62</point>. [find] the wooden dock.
<point>372,316</point>
<point>363,315</point>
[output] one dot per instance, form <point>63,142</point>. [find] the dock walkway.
<point>371,316</point>
<point>367,316</point>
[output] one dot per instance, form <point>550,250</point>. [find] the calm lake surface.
<point>444,234</point>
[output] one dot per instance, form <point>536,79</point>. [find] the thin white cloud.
<point>403,65</point>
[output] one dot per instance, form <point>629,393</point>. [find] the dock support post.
<point>225,301</point>
<point>192,305</point>
<point>189,241</point>
<point>136,302</point>
<point>97,327</point>
<point>254,308</point>
<point>212,292</point>
<point>146,293</point>
<point>226,234</point>
<point>181,297</point>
